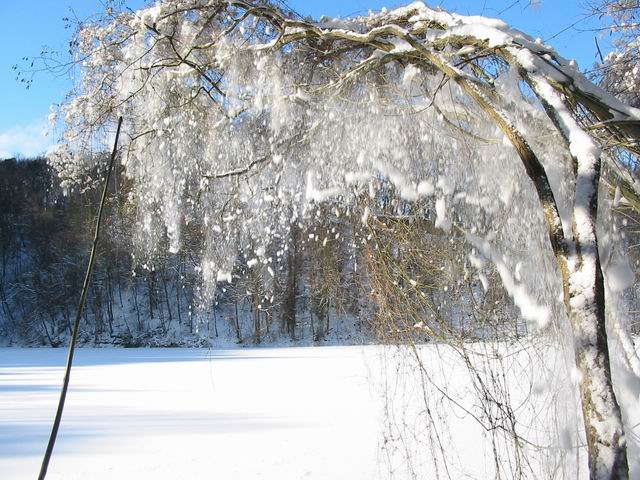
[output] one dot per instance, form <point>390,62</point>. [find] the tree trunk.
<point>166,296</point>
<point>289,304</point>
<point>582,279</point>
<point>215,322</point>
<point>253,311</point>
<point>177,283</point>
<point>604,430</point>
<point>238,335</point>
<point>606,442</point>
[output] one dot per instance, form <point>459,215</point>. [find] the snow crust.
<point>317,413</point>
<point>171,413</point>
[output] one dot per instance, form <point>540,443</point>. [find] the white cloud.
<point>25,140</point>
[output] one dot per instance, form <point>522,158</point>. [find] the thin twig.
<point>238,171</point>
<point>76,326</point>
<point>598,48</point>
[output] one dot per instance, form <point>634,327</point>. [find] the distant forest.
<point>337,280</point>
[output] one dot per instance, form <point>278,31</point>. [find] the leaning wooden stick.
<point>76,326</point>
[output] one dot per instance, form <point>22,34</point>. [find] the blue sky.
<point>30,25</point>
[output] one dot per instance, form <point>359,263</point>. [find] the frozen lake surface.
<point>317,413</point>
<point>289,413</point>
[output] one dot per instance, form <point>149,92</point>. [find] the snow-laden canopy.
<point>243,118</point>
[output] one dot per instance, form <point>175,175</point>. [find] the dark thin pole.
<point>76,326</point>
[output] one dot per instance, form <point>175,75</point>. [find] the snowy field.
<point>317,413</point>
<point>293,413</point>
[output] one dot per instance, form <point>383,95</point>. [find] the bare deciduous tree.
<point>235,102</point>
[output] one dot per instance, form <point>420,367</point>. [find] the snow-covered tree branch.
<point>262,117</point>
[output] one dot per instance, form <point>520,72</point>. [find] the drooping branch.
<point>299,66</point>
<point>238,171</point>
<point>415,51</point>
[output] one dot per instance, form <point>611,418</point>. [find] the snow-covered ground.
<point>293,413</point>
<point>317,413</point>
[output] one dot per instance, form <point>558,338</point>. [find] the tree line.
<point>340,278</point>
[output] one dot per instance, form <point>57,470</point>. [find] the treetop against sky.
<point>34,25</point>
